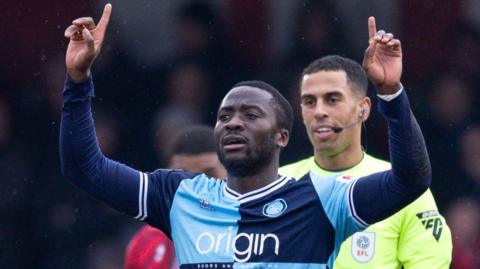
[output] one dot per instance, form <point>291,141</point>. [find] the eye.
<point>223,117</point>
<point>333,100</point>
<point>308,102</point>
<point>251,116</point>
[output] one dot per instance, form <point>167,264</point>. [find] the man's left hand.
<point>383,60</point>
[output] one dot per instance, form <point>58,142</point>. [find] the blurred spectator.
<point>318,33</point>
<point>469,159</point>
<point>200,41</point>
<point>451,101</point>
<point>16,177</point>
<point>197,31</point>
<point>193,150</point>
<point>106,126</point>
<point>187,93</point>
<point>451,110</point>
<point>463,217</point>
<point>464,51</point>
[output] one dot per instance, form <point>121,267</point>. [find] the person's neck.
<point>339,161</point>
<point>244,184</point>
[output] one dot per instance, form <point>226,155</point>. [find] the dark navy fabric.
<point>286,224</point>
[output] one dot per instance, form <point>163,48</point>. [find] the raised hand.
<point>383,59</point>
<point>85,44</point>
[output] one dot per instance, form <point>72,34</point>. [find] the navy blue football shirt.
<point>286,224</point>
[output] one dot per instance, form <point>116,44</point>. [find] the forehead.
<point>323,82</point>
<point>246,96</point>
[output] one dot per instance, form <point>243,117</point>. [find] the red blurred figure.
<point>150,249</point>
<point>464,218</point>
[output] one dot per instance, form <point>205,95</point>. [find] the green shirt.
<point>416,237</point>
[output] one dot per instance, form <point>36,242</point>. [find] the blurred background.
<point>166,64</point>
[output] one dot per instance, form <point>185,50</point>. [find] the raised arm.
<point>81,158</point>
<point>380,195</point>
<point>145,196</point>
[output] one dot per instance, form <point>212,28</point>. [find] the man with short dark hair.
<point>255,218</point>
<point>334,105</point>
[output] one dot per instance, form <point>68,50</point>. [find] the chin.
<point>239,168</point>
<point>327,147</point>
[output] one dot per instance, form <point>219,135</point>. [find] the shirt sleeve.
<point>145,196</point>
<point>380,195</point>
<point>425,239</point>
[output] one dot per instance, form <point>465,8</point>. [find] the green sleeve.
<point>425,240</point>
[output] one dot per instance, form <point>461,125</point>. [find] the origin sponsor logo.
<point>207,243</point>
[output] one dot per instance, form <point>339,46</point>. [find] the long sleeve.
<point>145,196</point>
<point>379,195</point>
<point>81,158</point>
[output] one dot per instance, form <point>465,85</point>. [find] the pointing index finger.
<point>103,23</point>
<point>372,28</point>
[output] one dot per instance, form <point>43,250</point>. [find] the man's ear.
<point>365,107</point>
<point>282,138</point>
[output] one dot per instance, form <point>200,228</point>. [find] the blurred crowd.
<point>148,87</point>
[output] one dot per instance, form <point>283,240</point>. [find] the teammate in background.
<point>334,105</point>
<point>193,150</point>
<point>255,218</point>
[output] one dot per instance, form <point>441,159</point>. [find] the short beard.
<point>250,165</point>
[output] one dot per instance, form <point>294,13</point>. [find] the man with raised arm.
<point>255,218</point>
<point>334,105</point>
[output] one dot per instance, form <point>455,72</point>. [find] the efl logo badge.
<point>363,246</point>
<point>274,208</point>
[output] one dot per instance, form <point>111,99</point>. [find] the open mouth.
<point>233,142</point>
<point>323,132</point>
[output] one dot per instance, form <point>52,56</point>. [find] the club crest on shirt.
<point>274,208</point>
<point>363,246</point>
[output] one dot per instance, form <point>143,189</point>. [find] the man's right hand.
<point>85,44</point>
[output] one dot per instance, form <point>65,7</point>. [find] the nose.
<point>235,123</point>
<point>320,111</point>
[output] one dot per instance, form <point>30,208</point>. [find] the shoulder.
<point>374,164</point>
<point>297,169</point>
<point>201,183</point>
<point>368,165</point>
<point>179,178</point>
<point>424,203</point>
<point>334,184</point>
